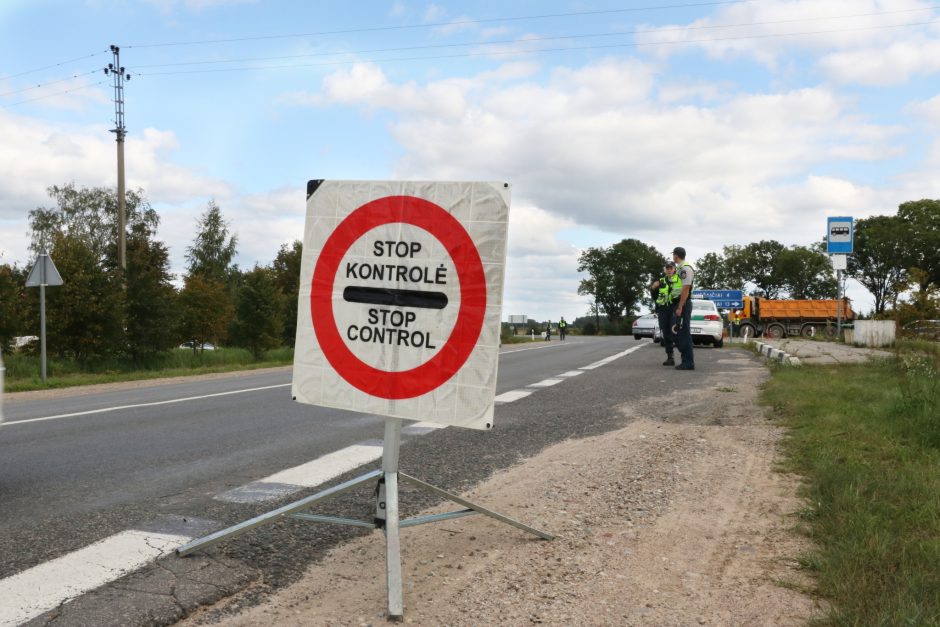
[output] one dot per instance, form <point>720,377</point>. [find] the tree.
<point>756,264</point>
<point>620,276</point>
<point>211,281</point>
<point>213,250</point>
<point>714,272</point>
<point>921,223</point>
<point>806,273</point>
<point>90,216</point>
<point>592,262</point>
<point>84,315</point>
<point>205,309</point>
<point>258,312</point>
<point>880,258</point>
<point>286,270</point>
<point>12,305</point>
<point>150,306</point>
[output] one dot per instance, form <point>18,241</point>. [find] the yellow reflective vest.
<point>670,287</point>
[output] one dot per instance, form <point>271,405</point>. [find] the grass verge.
<point>867,439</point>
<point>23,373</point>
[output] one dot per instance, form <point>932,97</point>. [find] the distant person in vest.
<point>666,292</point>
<point>562,328</point>
<point>684,310</point>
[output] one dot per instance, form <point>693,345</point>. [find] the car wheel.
<point>719,343</point>
<point>636,337</point>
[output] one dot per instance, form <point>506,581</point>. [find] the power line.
<point>546,50</point>
<point>46,67</point>
<point>59,93</point>
<point>534,39</point>
<point>439,24</point>
<point>40,85</point>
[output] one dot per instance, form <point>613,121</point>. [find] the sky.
<point>674,122</point>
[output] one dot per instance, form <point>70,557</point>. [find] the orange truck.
<point>782,318</point>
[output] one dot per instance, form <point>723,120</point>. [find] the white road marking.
<point>515,395</point>
<point>42,588</point>
<point>544,383</point>
<point>311,474</point>
<point>325,468</point>
<point>532,348</point>
<point>607,360</point>
<point>512,395</point>
<point>105,410</point>
<point>423,426</point>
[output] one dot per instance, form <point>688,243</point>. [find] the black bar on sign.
<point>401,298</point>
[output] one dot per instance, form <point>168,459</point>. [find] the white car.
<point>206,347</point>
<point>707,325</point>
<point>645,326</point>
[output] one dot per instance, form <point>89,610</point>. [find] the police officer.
<point>562,328</point>
<point>667,291</point>
<point>684,310</point>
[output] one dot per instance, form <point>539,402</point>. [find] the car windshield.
<point>704,304</point>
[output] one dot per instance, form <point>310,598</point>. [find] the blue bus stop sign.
<point>839,236</point>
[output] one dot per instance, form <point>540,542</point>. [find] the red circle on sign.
<point>455,351</point>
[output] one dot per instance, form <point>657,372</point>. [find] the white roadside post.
<point>399,314</point>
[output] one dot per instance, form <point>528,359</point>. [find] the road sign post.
<point>398,315</point>
<point>43,273</point>
<point>840,238</point>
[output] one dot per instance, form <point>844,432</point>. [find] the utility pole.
<point>116,70</point>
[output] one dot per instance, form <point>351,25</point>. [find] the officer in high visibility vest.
<point>667,291</point>
<point>562,328</point>
<point>684,310</point>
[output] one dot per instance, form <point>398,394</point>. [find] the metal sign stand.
<point>386,514</point>
<point>43,273</point>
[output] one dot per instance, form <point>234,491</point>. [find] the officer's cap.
<point>670,263</point>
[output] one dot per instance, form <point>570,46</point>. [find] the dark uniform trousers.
<point>667,314</point>
<point>684,336</point>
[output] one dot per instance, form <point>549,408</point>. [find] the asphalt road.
<point>80,468</point>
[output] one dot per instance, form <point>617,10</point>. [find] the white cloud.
<point>926,110</point>
<point>895,64</point>
<point>851,32</point>
<point>35,155</point>
<point>614,146</point>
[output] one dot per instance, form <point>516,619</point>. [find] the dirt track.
<point>669,521</point>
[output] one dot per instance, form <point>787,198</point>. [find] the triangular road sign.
<point>43,272</point>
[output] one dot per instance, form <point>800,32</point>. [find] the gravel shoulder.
<point>680,518</point>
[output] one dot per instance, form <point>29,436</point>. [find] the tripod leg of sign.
<point>386,514</point>
<point>288,510</point>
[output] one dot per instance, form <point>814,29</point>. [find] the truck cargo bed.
<point>803,310</point>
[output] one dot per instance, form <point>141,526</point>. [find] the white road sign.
<point>400,299</point>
